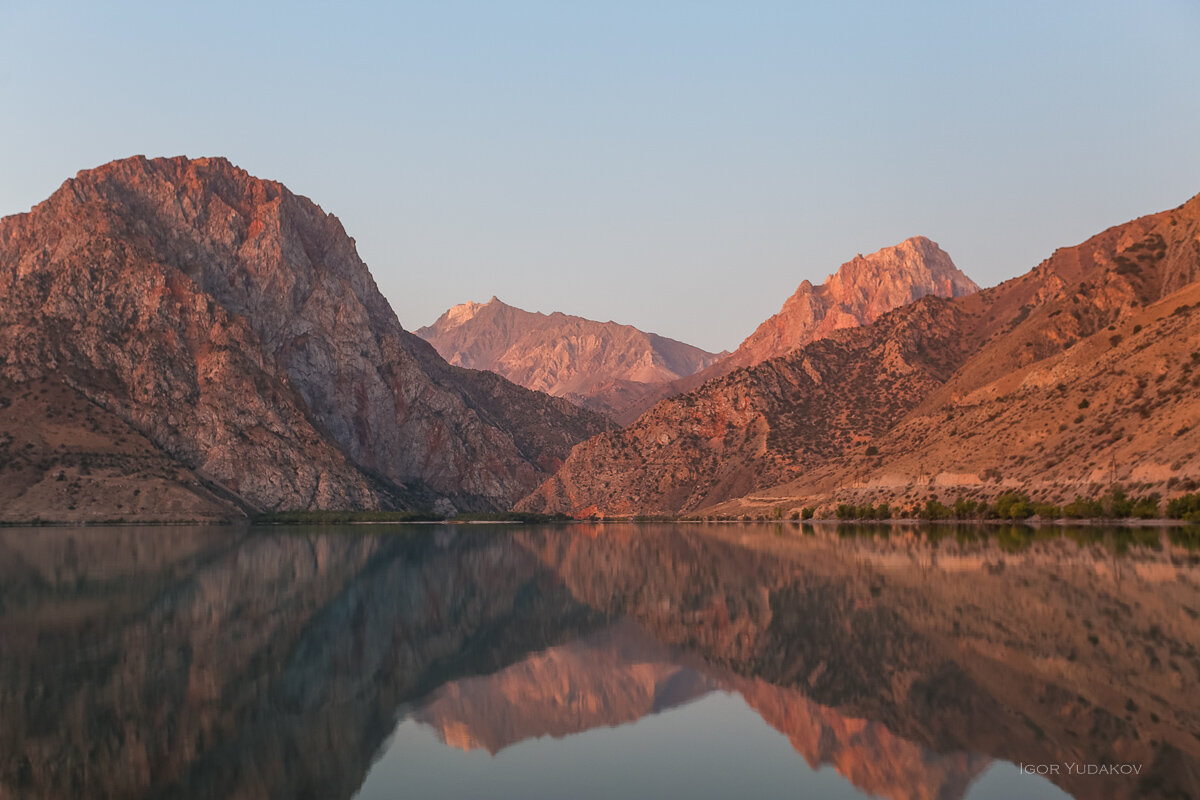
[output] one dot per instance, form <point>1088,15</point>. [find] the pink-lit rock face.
<point>233,323</point>
<point>861,291</point>
<point>604,366</point>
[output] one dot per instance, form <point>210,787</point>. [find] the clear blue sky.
<point>680,166</point>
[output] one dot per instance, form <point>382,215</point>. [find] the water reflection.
<point>899,662</point>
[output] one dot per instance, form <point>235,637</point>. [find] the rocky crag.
<point>858,293</point>
<point>605,366</point>
<point>232,324</point>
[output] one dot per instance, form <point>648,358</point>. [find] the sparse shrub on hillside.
<point>807,512</point>
<point>1084,403</point>
<point>872,450</point>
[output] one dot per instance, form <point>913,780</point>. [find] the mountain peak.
<point>604,366</point>
<point>232,323</point>
<point>858,293</point>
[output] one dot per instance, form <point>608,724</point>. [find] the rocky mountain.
<point>604,366</point>
<point>232,324</point>
<point>858,293</point>
<point>987,390</point>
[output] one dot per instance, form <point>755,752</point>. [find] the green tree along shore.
<point>348,517</point>
<point>1115,504</point>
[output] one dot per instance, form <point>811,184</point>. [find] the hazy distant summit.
<point>605,366</point>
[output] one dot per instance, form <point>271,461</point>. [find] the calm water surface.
<point>599,661</point>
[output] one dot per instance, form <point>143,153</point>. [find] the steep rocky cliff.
<point>232,323</point>
<point>887,409</point>
<point>604,366</point>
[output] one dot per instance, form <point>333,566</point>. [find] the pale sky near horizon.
<point>679,166</point>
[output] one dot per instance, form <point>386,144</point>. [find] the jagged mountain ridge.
<point>783,417</point>
<point>856,294</point>
<point>605,366</point>
<point>1095,386</point>
<point>233,323</point>
<point>862,290</point>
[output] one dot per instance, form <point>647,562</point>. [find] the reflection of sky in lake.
<point>715,747</point>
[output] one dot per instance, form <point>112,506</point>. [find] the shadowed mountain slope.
<point>232,323</point>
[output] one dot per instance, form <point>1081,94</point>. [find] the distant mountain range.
<point>621,371</point>
<point>604,366</point>
<point>181,340</point>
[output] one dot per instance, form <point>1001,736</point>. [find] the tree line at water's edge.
<point>1115,504</point>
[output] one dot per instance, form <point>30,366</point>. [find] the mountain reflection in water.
<point>823,661</point>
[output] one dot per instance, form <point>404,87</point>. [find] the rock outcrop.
<point>860,292</point>
<point>232,323</point>
<point>604,366</point>
<point>886,410</point>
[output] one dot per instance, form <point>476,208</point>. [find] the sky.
<point>678,166</point>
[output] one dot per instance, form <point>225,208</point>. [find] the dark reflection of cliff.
<point>225,663</point>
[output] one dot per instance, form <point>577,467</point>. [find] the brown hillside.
<point>987,345</point>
